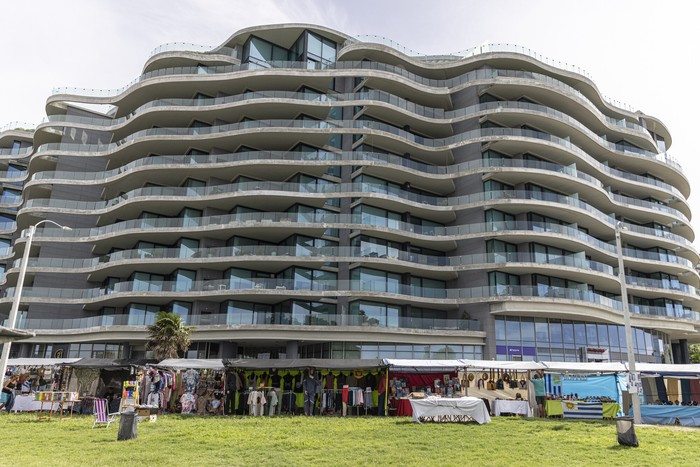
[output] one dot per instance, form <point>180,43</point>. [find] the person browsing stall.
<point>8,392</point>
<point>538,385</point>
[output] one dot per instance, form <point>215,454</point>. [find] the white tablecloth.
<point>471,407</point>
<point>28,404</point>
<point>517,407</point>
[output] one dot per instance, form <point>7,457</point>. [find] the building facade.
<point>297,192</point>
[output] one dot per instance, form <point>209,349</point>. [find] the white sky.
<point>638,52</point>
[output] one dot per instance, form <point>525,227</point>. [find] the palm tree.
<point>168,336</point>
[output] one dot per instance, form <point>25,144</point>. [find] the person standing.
<point>538,385</point>
<point>312,386</point>
<point>8,390</point>
<point>381,391</point>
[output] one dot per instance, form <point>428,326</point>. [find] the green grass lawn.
<point>331,441</point>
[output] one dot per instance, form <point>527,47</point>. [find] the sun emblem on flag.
<point>570,405</point>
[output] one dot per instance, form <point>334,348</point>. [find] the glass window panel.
<point>315,45</point>
<point>603,340</point>
<point>500,330</point>
<point>591,335</point>
<point>568,333</point>
<point>512,330</point>
<point>528,331</point>
<point>542,332</point>
<point>555,333</point>
<point>580,334</point>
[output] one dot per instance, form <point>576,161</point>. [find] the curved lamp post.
<point>633,392</point>
<point>18,290</point>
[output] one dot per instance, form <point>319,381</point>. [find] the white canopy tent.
<point>585,367</point>
<point>501,365</point>
<point>424,365</point>
<point>40,361</point>
<point>195,363</point>
<point>690,370</point>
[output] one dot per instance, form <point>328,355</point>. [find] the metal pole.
<point>634,395</point>
<point>17,298</point>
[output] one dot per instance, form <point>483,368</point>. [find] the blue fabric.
<point>667,414</point>
<point>592,386</point>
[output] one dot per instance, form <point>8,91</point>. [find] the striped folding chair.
<point>102,415</point>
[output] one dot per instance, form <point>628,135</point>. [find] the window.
<point>238,312</point>
<point>502,283</point>
<point>16,147</point>
<point>191,217</point>
<point>319,50</point>
<point>260,52</point>
<point>194,187</point>
<point>375,280</point>
<point>309,279</point>
<point>365,313</point>
<point>312,313</point>
<point>424,287</point>
<point>147,282</point>
<point>183,309</point>
<point>184,280</point>
<point>370,215</point>
<point>188,247</point>
<point>499,220</point>
<point>501,252</point>
<point>375,247</point>
<point>141,314</point>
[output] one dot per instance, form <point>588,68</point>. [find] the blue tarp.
<point>667,414</point>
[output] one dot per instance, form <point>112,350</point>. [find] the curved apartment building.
<point>297,192</point>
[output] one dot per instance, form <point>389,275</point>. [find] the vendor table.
<point>516,407</point>
<point>26,404</point>
<point>442,409</point>
<point>554,408</point>
<point>403,407</point>
<point>667,414</point>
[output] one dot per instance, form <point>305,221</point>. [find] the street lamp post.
<point>634,394</point>
<point>18,290</point>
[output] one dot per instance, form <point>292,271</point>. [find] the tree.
<point>695,353</point>
<point>168,336</point>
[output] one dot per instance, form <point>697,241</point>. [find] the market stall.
<point>36,375</point>
<point>186,386</point>
<point>670,393</point>
<point>309,386</point>
<point>419,378</point>
<point>584,390</point>
<point>101,378</point>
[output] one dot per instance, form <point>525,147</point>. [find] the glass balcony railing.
<point>347,99</point>
<point>188,47</point>
<point>356,66</point>
<point>358,158</point>
<point>236,287</point>
<point>332,190</point>
<point>302,252</point>
<point>259,319</point>
<point>665,284</point>
<point>435,144</point>
<point>352,221</point>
